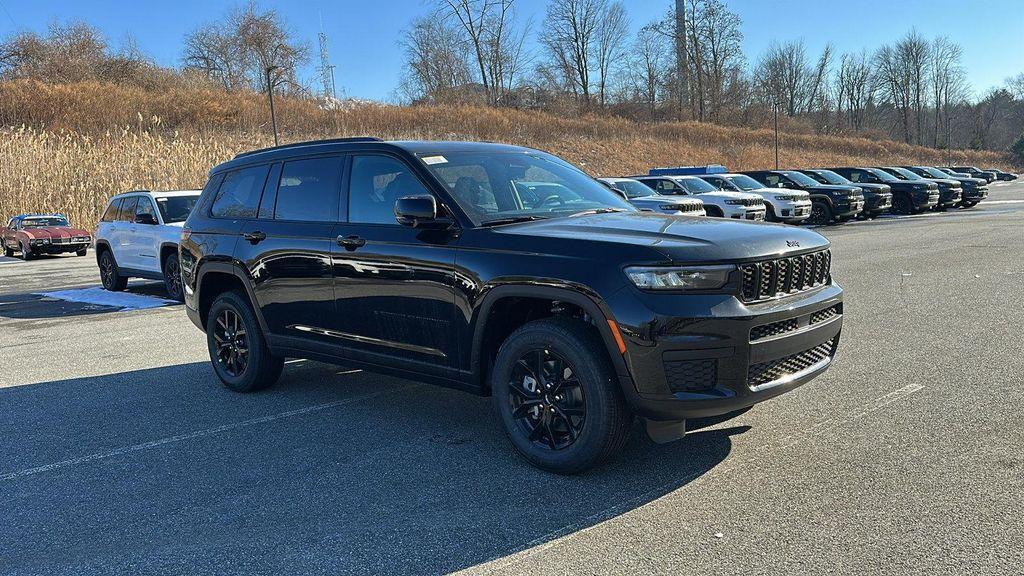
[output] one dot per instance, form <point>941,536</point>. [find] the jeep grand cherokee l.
<point>642,197</point>
<point>717,203</point>
<point>950,192</point>
<point>907,197</point>
<point>789,206</point>
<point>974,189</point>
<point>572,309</point>
<point>828,202</point>
<point>877,197</point>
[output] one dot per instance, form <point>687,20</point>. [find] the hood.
<point>54,232</point>
<point>834,188</point>
<point>683,240</point>
<point>661,200</point>
<point>874,188</point>
<point>946,181</point>
<point>730,195</point>
<point>773,192</point>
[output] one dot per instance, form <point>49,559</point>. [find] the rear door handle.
<point>255,237</point>
<point>351,242</point>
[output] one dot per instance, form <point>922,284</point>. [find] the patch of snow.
<point>101,297</point>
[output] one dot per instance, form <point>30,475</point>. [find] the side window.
<point>239,194</point>
<point>110,214</point>
<point>856,176</point>
<point>771,179</point>
<point>145,206</point>
<point>665,186</point>
<point>376,182</point>
<point>127,212</point>
<point>310,190</point>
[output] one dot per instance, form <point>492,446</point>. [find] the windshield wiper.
<point>599,211</point>
<point>511,220</point>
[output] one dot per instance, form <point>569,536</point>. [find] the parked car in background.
<point>639,195</point>
<point>36,234</point>
<point>974,171</point>
<point>974,189</point>
<point>138,236</point>
<point>829,202</point>
<point>717,203</point>
<point>950,191</point>
<point>907,197</point>
<point>1000,175</point>
<point>956,174</point>
<point>877,197</point>
<point>789,206</point>
<point>575,313</point>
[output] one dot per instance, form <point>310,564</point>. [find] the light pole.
<point>775,108</point>
<point>270,94</point>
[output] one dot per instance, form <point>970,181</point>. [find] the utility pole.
<point>682,60</point>
<point>270,94</point>
<point>776,109</point>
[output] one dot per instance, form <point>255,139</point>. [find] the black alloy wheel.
<point>109,275</point>
<point>901,204</point>
<point>821,214</point>
<point>172,278</point>
<point>232,343</point>
<point>547,400</point>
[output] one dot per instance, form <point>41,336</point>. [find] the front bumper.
<point>950,197</point>
<point>743,212</point>
<point>924,201</point>
<point>58,248</point>
<point>975,195</point>
<point>877,203</point>
<point>693,356</point>
<point>792,211</point>
<point>847,207</point>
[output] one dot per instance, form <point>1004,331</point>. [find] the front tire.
<point>8,251</point>
<point>555,390</point>
<point>238,350</point>
<point>110,277</point>
<point>901,204</point>
<point>82,252</point>
<point>821,214</point>
<point>26,252</point>
<point>172,278</point>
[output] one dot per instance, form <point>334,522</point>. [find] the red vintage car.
<point>34,234</point>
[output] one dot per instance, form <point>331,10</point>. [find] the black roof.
<point>416,147</point>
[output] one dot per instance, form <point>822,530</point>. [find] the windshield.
<point>632,188</point>
<point>799,178</point>
<point>934,172</point>
<point>497,186</point>
<point>695,185</point>
<point>882,175</point>
<point>906,174</point>
<point>44,222</point>
<point>175,209</point>
<point>830,177</point>
<point>744,182</point>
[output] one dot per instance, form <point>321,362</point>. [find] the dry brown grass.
<point>88,141</point>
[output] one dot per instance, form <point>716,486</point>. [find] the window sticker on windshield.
<point>434,160</point>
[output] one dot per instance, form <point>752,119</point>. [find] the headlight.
<point>734,202</point>
<point>679,277</point>
<point>785,198</point>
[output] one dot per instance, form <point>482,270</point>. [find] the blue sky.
<point>364,35</point>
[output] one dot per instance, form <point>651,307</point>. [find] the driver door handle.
<point>255,237</point>
<point>351,242</point>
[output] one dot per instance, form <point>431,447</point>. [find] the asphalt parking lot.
<point>120,452</point>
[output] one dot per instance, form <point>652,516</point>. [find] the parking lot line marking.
<point>193,435</point>
<point>561,535</point>
<point>1003,201</point>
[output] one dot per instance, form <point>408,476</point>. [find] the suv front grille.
<point>691,375</point>
<point>767,372</point>
<point>690,207</point>
<point>784,276</point>
<point>822,315</point>
<point>773,329</point>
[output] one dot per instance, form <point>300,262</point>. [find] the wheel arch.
<point>214,278</point>
<point>103,246</point>
<point>485,330</point>
<point>166,249</point>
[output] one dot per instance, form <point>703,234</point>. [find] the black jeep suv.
<point>828,202</point>
<point>503,271</point>
<point>974,189</point>
<point>877,197</point>
<point>950,191</point>
<point>907,197</point>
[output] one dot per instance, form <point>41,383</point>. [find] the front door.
<point>287,248</point>
<point>394,285</point>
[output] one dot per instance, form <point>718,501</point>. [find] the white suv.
<point>138,237</point>
<point>716,202</point>
<point>645,199</point>
<point>789,206</point>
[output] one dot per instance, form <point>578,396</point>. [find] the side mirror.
<point>145,219</point>
<point>419,212</point>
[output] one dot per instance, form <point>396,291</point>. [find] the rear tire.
<point>557,394</point>
<point>172,278</point>
<point>109,274</point>
<point>238,349</point>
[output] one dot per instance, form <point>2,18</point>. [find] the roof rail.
<point>310,143</point>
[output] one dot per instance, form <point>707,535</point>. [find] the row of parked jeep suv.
<point>814,196</point>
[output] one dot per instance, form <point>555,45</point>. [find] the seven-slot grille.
<point>689,207</point>
<point>750,202</point>
<point>767,372</point>
<point>782,276</point>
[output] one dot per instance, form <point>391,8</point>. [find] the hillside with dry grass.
<point>67,148</point>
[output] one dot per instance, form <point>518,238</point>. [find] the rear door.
<point>394,285</point>
<point>119,238</point>
<point>287,246</point>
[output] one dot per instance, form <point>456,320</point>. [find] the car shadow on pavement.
<point>331,471</point>
<point>37,306</point>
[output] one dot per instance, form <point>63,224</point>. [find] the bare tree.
<point>437,66</point>
<point>854,87</point>
<point>648,63</point>
<point>496,45</point>
<point>721,54</point>
<point>217,53</point>
<point>273,52</point>
<point>783,76</point>
<point>571,37</point>
<point>947,84</point>
<point>610,44</point>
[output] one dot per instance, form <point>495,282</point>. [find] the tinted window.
<point>664,186</point>
<point>43,222</point>
<point>111,212</point>
<point>377,181</point>
<point>310,190</point>
<point>696,186</point>
<point>145,206</point>
<point>127,212</point>
<point>176,208</point>
<point>239,194</point>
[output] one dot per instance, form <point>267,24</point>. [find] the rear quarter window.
<point>110,214</point>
